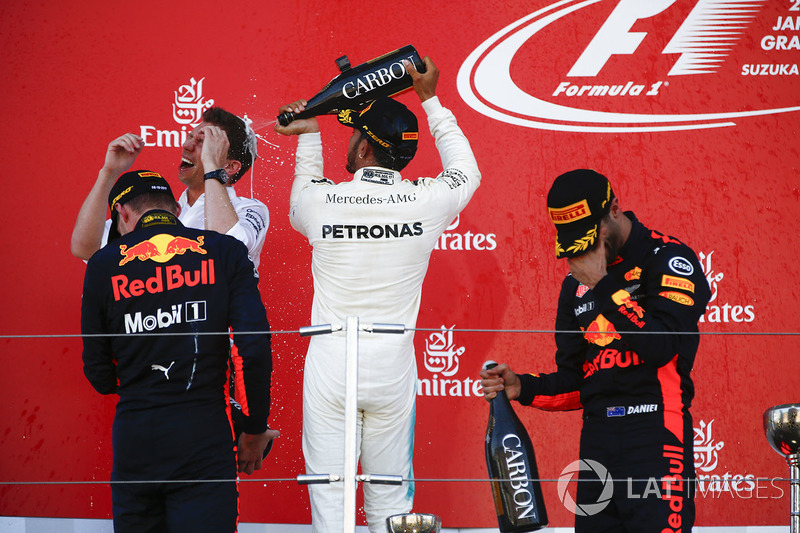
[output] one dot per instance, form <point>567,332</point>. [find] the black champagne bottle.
<point>355,86</point>
<point>509,455</point>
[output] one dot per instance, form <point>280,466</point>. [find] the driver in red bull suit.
<point>634,297</point>
<point>172,420</point>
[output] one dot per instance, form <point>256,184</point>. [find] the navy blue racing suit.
<point>629,368</point>
<point>172,420</point>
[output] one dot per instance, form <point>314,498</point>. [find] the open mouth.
<point>185,163</point>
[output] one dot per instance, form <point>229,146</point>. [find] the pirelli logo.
<point>149,175</point>
<point>677,283</point>
<point>410,135</point>
<point>571,213</point>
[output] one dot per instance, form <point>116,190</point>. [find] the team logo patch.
<point>571,213</point>
<point>633,274</point>
<point>681,266</point>
<point>677,283</point>
<point>382,177</point>
<point>160,248</point>
<point>677,297</point>
<point>601,332</point>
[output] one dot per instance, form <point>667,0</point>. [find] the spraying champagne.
<point>355,86</point>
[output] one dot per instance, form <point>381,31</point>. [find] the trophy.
<point>782,426</point>
<point>413,523</point>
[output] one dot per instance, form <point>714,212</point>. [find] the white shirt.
<point>251,228</point>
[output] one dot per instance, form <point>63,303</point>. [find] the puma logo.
<point>164,370</point>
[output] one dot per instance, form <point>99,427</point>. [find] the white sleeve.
<point>106,231</point>
<point>307,170</point>
<point>252,226</point>
<point>461,175</point>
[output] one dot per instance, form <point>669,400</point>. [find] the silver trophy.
<point>782,426</point>
<point>413,523</point>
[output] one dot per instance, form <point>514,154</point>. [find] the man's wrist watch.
<point>220,175</point>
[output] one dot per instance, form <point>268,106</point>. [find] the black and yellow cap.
<point>389,125</point>
<point>130,185</point>
<point>577,202</point>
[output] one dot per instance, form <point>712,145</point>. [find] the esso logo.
<point>681,266</point>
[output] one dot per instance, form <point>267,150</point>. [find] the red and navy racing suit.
<point>172,420</point>
<point>629,369</point>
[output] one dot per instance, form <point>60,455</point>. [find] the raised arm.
<point>87,235</point>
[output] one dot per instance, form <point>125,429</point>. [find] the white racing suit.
<point>372,238</point>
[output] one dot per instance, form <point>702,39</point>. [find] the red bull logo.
<point>160,248</point>
<point>143,251</point>
<point>601,332</point>
<point>179,245</point>
<point>610,358</point>
<point>165,279</point>
<point>623,298</point>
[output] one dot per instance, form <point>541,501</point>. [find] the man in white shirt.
<point>219,151</point>
<point>372,238</point>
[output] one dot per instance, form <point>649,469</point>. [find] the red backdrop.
<point>701,143</point>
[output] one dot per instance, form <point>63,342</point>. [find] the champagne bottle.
<point>354,87</point>
<point>509,455</point>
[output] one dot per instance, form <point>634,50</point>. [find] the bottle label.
<point>376,79</point>
<point>516,464</point>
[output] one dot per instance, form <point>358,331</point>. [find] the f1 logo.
<point>707,34</point>
<point>615,36</point>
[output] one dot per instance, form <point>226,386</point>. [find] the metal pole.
<point>350,425</point>
<point>794,464</point>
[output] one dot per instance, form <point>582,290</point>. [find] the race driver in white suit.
<point>372,238</point>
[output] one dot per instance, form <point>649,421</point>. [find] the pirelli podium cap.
<point>577,202</point>
<point>389,125</point>
<point>130,185</point>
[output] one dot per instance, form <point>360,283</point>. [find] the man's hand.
<point>424,83</point>
<point>500,378</point>
<point>296,127</point>
<point>251,450</point>
<point>121,154</point>
<point>589,268</point>
<point>214,153</point>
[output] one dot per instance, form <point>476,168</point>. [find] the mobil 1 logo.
<point>162,318</point>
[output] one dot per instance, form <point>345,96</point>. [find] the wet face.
<point>191,170</point>
<point>611,233</point>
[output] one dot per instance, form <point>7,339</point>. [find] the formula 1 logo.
<point>634,66</point>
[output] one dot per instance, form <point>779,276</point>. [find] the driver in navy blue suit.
<point>173,419</point>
